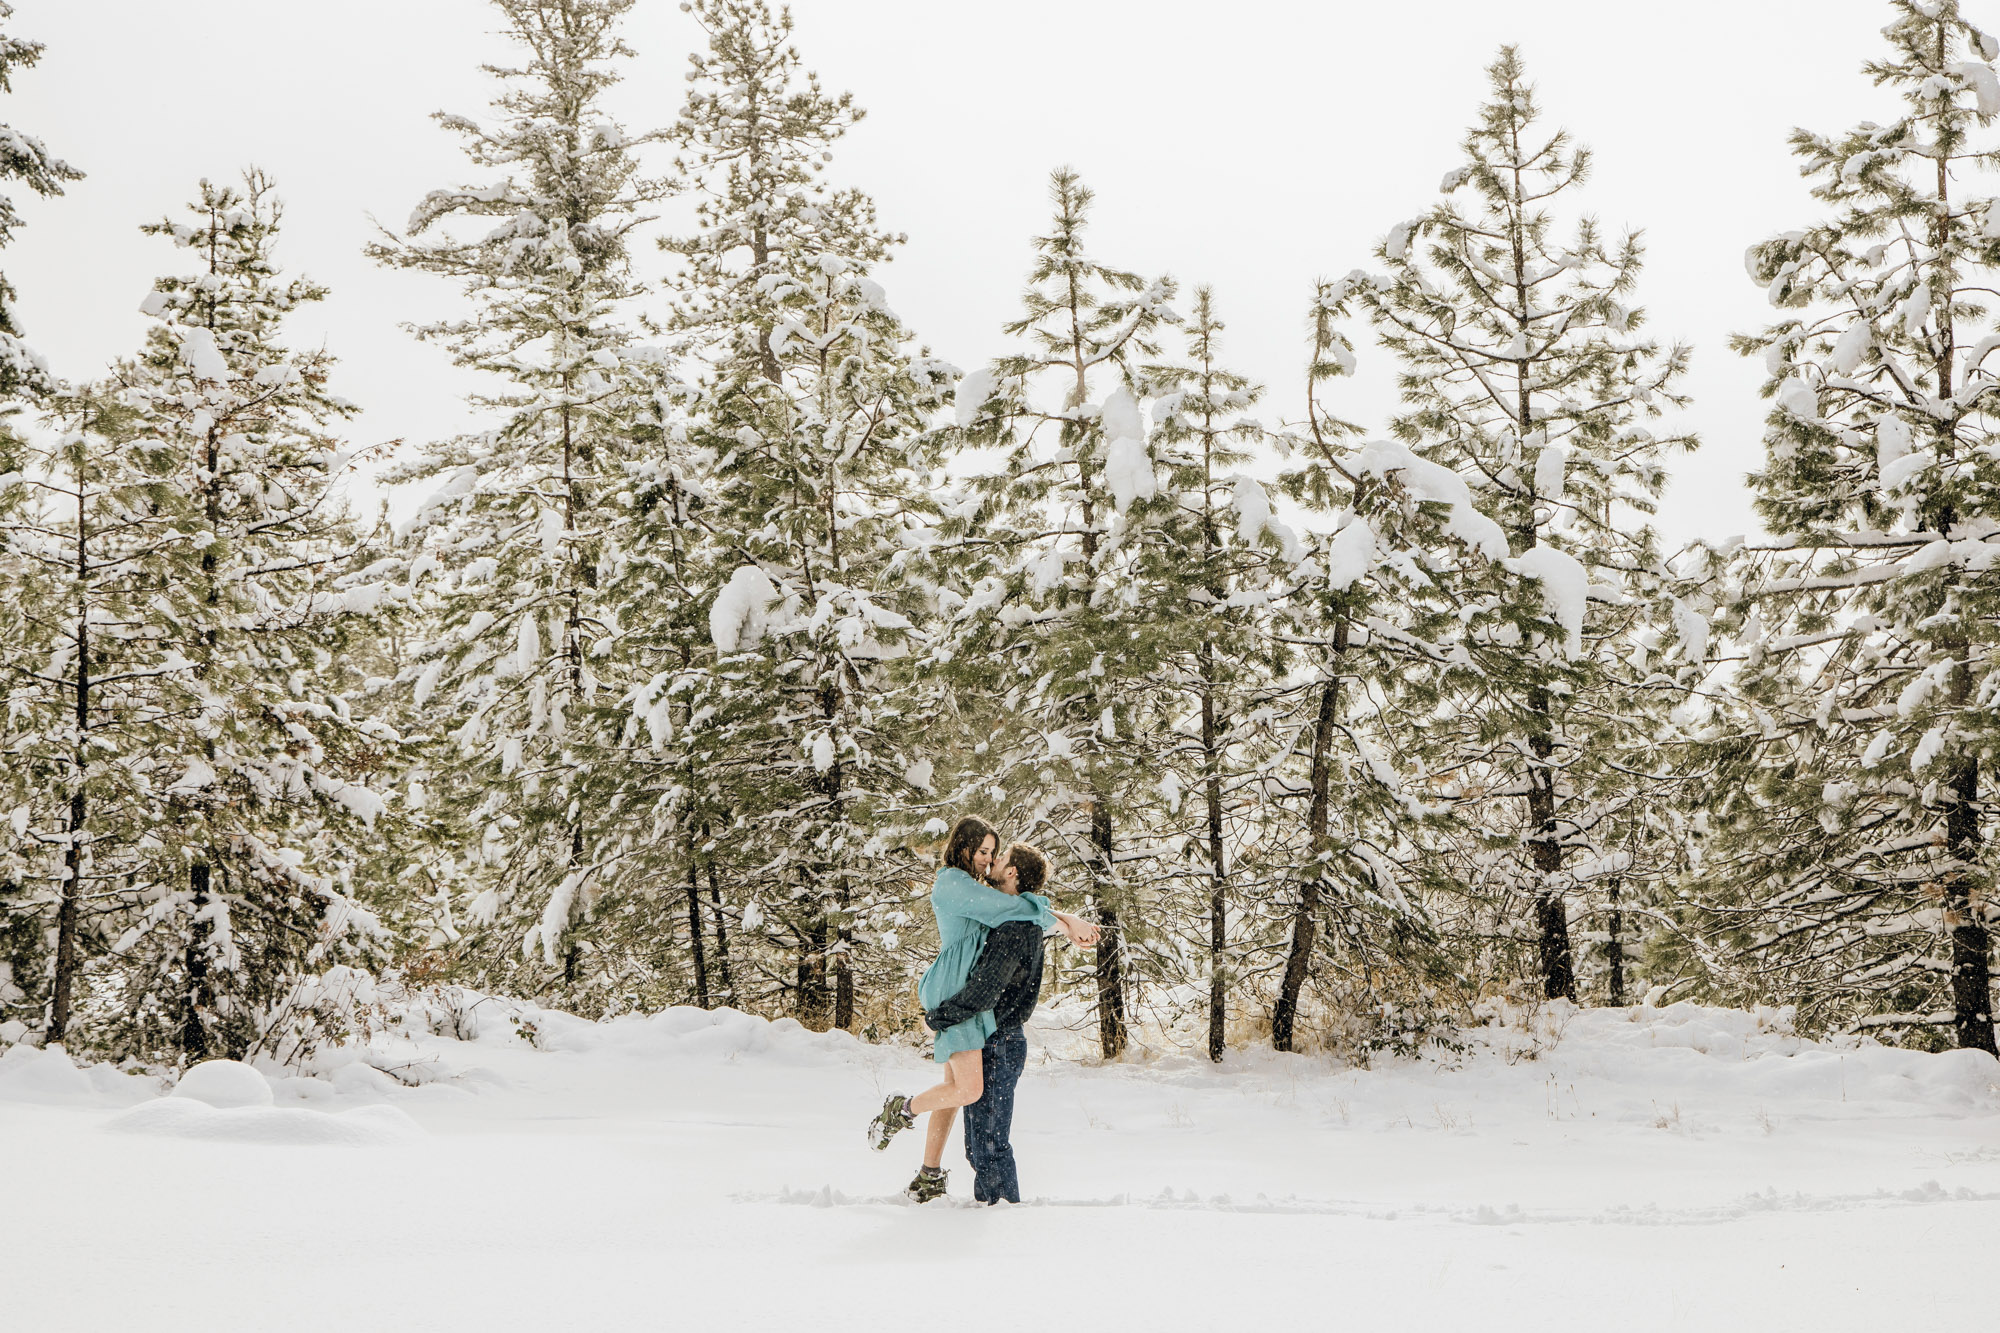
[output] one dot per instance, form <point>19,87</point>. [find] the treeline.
<point>668,687</point>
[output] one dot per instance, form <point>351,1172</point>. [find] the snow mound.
<point>1643,1057</point>
<point>50,1077</point>
<point>700,1036</point>
<point>29,1075</point>
<point>187,1118</point>
<point>1634,1064</point>
<point>224,1084</point>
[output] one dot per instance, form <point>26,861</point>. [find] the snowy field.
<point>1679,1168</point>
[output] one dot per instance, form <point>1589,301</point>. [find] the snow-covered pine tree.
<point>22,373</point>
<point>1525,373</point>
<point>1059,619</point>
<point>814,415</point>
<point>675,804</point>
<point>85,556</point>
<point>256,770</point>
<point>22,158</point>
<point>1853,806</point>
<point>1206,733</point>
<point>1365,647</point>
<point>511,551</point>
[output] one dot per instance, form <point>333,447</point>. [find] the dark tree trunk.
<point>1111,1030</point>
<point>1305,918</point>
<point>841,959</point>
<point>1971,943</point>
<point>843,980</point>
<point>1218,932</point>
<point>1614,952</point>
<point>721,930</point>
<point>65,971</point>
<point>814,998</point>
<point>72,889</point>
<point>195,1044</point>
<point>1545,846</point>
<point>65,962</point>
<point>694,933</point>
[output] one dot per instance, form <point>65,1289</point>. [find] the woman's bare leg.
<point>937,1130</point>
<point>964,1083</point>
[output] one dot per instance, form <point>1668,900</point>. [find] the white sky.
<point>1254,146</point>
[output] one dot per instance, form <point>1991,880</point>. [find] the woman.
<point>966,910</point>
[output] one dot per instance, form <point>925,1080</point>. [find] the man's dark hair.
<point>1030,867</point>
<point>967,836</point>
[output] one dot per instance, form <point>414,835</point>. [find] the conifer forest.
<point>663,685</point>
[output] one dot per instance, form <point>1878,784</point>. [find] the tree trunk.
<point>814,1000</point>
<point>694,933</point>
<point>840,958</point>
<point>1971,943</point>
<point>72,890</point>
<point>572,964</point>
<point>721,928</point>
<point>65,970</point>
<point>1545,846</point>
<point>1217,875</point>
<point>1111,1030</point>
<point>195,1043</point>
<point>1305,919</point>
<point>1614,952</point>
<point>843,980</point>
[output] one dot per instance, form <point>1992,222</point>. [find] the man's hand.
<point>1079,932</point>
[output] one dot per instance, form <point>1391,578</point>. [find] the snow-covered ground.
<point>1679,1168</point>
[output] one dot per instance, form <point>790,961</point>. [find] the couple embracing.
<point>991,913</point>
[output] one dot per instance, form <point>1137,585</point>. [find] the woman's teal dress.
<point>966,910</point>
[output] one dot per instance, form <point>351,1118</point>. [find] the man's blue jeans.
<point>989,1122</point>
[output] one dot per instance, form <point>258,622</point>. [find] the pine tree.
<point>816,416</point>
<point>1208,734</point>
<point>1847,872</point>
<point>88,554</point>
<point>22,158</point>
<point>510,554</point>
<point>256,766</point>
<point>23,373</point>
<point>675,770</point>
<point>201,806</point>
<point>1060,618</point>
<point>1367,647</point>
<point>1524,371</point>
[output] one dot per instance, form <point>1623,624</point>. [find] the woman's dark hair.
<point>1031,868</point>
<point>967,836</point>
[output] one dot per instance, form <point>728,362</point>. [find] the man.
<point>1007,979</point>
